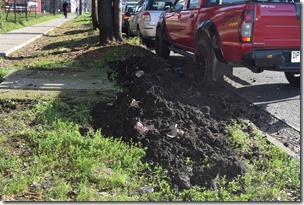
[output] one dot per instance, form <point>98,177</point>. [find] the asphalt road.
<point>268,90</point>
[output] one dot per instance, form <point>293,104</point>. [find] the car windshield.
<point>160,5</point>
<point>130,7</point>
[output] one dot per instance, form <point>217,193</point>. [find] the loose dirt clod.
<point>183,126</point>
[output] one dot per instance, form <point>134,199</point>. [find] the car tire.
<point>204,61</point>
<point>161,45</point>
<point>141,38</point>
<point>124,29</point>
<point>149,43</point>
<point>293,78</point>
<point>129,34</point>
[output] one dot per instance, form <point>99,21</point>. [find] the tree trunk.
<point>117,19</point>
<point>95,15</point>
<point>106,25</point>
<point>80,7</point>
<point>109,15</point>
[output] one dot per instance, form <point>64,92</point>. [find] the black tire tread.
<point>293,78</point>
<point>203,75</point>
<point>161,45</point>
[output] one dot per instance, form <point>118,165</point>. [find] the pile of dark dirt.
<point>183,126</point>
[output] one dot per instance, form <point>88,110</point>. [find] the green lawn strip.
<point>272,175</point>
<point>53,60</point>
<point>21,21</point>
<point>58,158</point>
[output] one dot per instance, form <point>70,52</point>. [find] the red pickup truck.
<point>222,34</point>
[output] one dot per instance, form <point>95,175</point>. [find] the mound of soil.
<point>183,126</point>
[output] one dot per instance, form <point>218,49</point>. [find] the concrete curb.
<point>280,145</point>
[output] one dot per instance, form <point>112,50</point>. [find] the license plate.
<point>295,56</point>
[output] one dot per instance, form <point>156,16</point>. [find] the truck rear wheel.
<point>161,45</point>
<point>293,78</point>
<point>204,61</point>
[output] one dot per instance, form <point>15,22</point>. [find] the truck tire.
<point>161,45</point>
<point>204,60</point>
<point>293,78</point>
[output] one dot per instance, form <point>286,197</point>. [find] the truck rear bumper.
<point>276,60</point>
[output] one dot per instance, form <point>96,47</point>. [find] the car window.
<point>159,5</point>
<point>138,7</point>
<point>179,5</point>
<point>129,8</point>
<point>193,4</point>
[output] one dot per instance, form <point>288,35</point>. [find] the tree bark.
<point>95,15</point>
<point>117,19</point>
<point>80,7</point>
<point>109,16</point>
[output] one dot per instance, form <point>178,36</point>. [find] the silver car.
<point>127,9</point>
<point>144,19</point>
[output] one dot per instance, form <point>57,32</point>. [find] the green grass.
<point>57,155</point>
<point>272,175</point>
<point>271,172</point>
<point>79,37</point>
<point>21,21</point>
<point>44,156</point>
<point>44,153</point>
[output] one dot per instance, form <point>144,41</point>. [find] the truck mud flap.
<point>220,69</point>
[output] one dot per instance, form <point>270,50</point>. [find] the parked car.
<point>221,34</point>
<point>127,9</point>
<point>144,19</point>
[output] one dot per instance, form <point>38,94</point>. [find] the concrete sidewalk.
<point>42,84</point>
<point>46,85</point>
<point>13,40</point>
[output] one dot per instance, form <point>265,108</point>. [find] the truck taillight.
<point>246,26</point>
<point>146,16</point>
